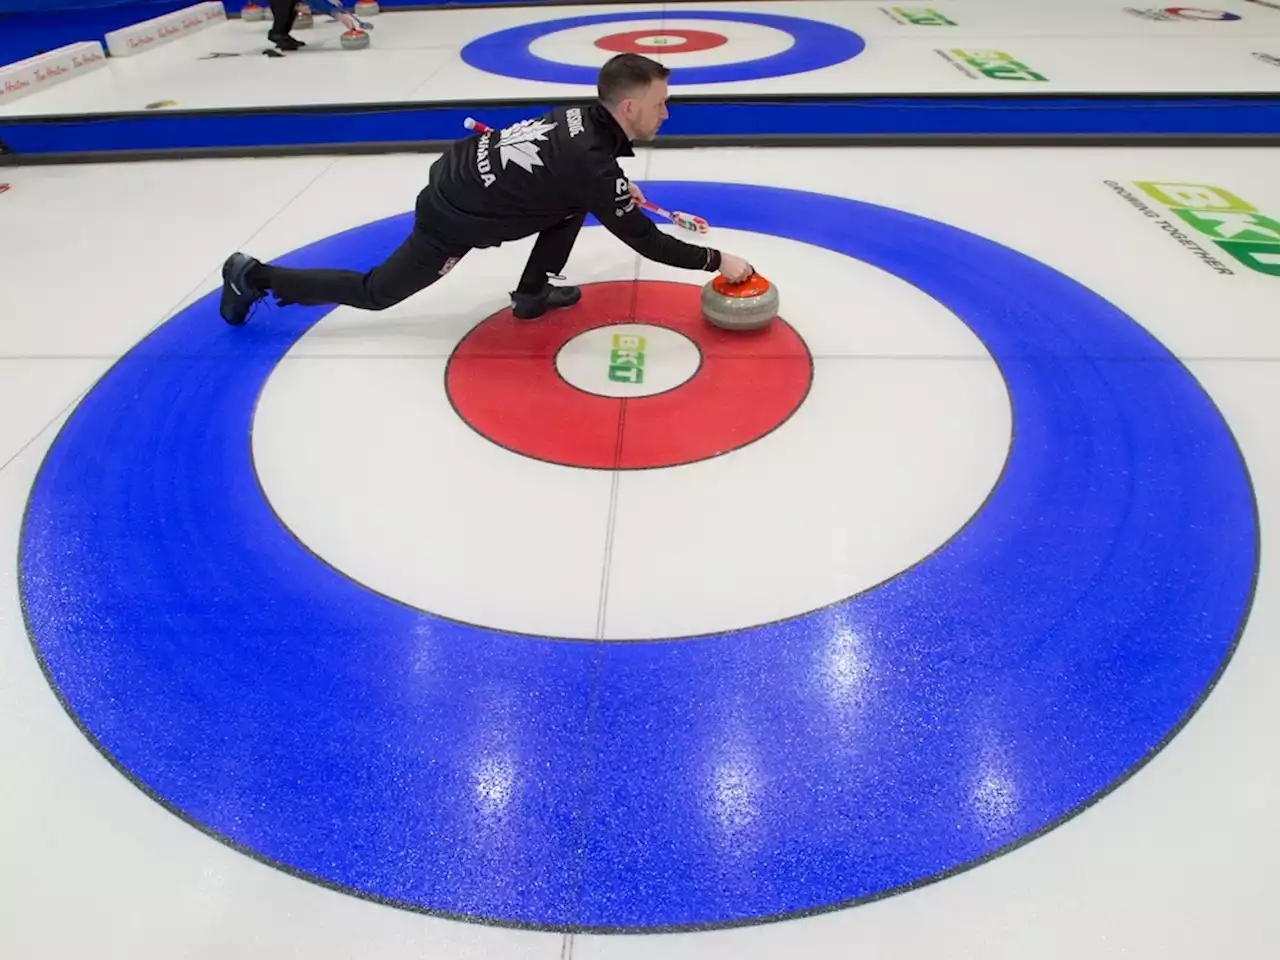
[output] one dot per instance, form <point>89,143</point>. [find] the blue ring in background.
<point>817,45</point>
<point>988,693</point>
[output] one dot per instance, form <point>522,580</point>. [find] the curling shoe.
<point>530,306</point>
<point>238,294</point>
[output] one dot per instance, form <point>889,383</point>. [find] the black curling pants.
<point>416,264</point>
<point>421,260</point>
<point>550,253</point>
<point>283,13</point>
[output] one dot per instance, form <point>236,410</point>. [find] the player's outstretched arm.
<point>610,199</point>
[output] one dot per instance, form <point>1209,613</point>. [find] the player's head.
<point>634,89</point>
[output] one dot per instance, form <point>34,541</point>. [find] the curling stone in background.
<point>355,40</point>
<point>749,305</point>
<point>304,18</point>
<point>366,8</point>
<point>252,13</point>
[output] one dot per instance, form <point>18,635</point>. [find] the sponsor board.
<point>41,72</point>
<point>141,37</point>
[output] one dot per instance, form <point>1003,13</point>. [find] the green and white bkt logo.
<point>993,64</point>
<point>1237,227</point>
<point>626,358</point>
<point>917,16</point>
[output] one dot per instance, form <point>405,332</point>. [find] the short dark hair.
<point>626,72</point>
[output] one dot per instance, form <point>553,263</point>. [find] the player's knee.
<point>382,299</point>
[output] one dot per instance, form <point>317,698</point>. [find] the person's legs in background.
<point>283,13</point>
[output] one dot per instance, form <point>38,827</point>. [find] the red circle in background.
<point>695,40</point>
<point>503,382</point>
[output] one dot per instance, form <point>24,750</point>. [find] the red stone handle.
<point>753,286</point>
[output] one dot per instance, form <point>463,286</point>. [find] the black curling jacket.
<point>504,185</point>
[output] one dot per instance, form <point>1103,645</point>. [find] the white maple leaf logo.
<point>517,145</point>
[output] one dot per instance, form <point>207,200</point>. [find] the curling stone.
<point>355,40</point>
<point>748,305</point>
<point>304,18</point>
<point>366,8</point>
<point>252,13</point>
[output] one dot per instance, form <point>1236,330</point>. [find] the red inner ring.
<point>695,40</point>
<point>502,381</point>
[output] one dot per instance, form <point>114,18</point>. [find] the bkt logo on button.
<point>626,359</point>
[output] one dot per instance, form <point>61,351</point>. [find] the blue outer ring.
<point>986,694</point>
<point>817,45</point>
